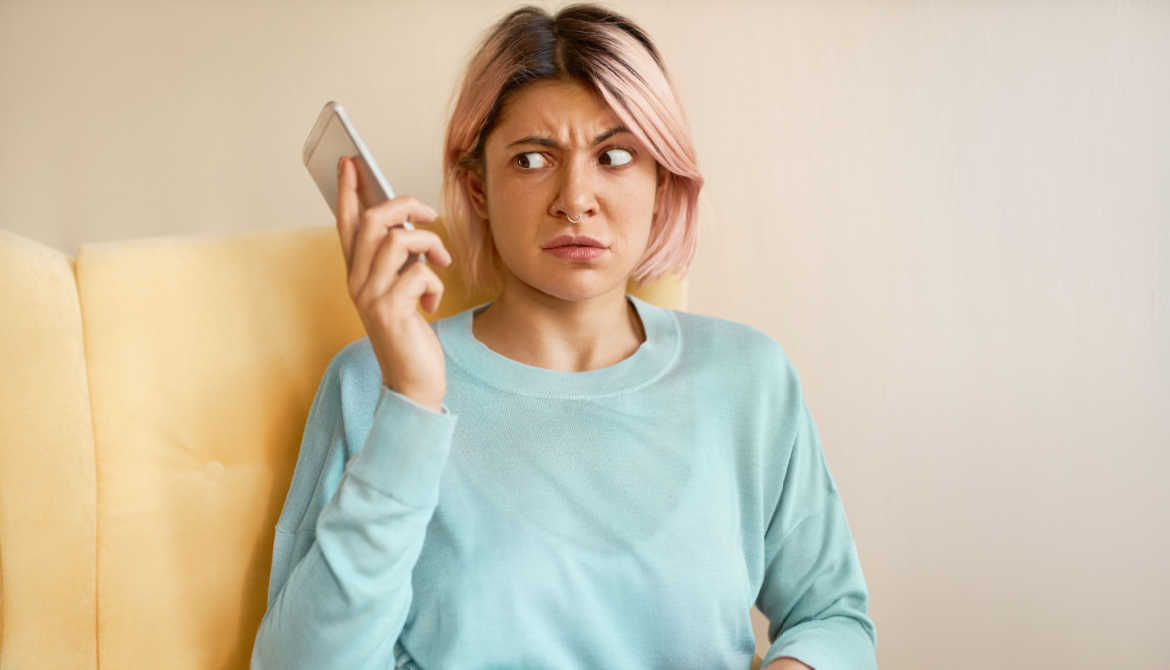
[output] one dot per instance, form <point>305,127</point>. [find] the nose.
<point>577,195</point>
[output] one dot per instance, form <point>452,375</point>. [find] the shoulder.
<point>704,325</point>
<point>353,380</point>
<point>733,343</point>
<point>355,359</point>
<point>358,374</point>
<point>746,365</point>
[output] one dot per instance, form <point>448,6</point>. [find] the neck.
<point>544,331</point>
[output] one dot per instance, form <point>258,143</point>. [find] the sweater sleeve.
<point>340,587</point>
<point>814,593</point>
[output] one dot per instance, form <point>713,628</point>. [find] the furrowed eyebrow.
<point>547,142</point>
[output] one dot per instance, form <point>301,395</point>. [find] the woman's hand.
<point>376,247</point>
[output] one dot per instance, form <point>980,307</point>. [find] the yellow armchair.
<point>153,400</point>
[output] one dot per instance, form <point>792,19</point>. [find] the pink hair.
<point>613,56</point>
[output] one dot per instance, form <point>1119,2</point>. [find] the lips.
<point>574,241</point>
<point>575,253</point>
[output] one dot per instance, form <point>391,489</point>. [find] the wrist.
<point>429,403</point>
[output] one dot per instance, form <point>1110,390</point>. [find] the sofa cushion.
<point>47,484</point>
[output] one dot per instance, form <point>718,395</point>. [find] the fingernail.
<point>340,164</point>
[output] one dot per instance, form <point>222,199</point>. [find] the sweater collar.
<point>651,360</point>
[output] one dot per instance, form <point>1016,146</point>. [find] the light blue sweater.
<point>623,517</point>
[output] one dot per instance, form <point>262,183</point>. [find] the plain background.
<point>953,216</point>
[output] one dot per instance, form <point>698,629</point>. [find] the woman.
<point>566,476</point>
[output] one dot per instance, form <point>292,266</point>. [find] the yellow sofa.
<point>153,399</point>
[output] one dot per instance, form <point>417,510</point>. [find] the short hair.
<point>614,57</point>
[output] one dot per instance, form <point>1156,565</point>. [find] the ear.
<point>475,188</point>
<point>663,179</point>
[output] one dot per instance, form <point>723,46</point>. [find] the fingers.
<point>352,217</point>
<point>392,254</point>
<point>363,230</point>
<point>417,281</point>
<point>348,209</point>
<point>376,223</point>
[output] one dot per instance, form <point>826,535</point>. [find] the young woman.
<point>566,476</point>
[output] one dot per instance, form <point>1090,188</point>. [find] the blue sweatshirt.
<point>622,517</point>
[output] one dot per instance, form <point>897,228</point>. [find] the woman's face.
<point>551,155</point>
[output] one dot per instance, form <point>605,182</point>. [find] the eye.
<point>526,164</point>
<point>619,153</point>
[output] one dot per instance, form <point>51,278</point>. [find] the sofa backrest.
<point>154,397</point>
<point>48,484</point>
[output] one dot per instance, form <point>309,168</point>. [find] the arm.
<point>340,586</point>
<point>814,593</point>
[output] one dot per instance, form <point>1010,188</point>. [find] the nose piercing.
<point>572,220</point>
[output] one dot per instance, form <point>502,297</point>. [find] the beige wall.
<point>953,215</point>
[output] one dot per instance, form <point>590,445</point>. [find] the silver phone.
<point>334,136</point>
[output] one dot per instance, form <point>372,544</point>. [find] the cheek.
<point>517,196</point>
<point>637,197</point>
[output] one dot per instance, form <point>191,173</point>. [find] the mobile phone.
<point>333,136</point>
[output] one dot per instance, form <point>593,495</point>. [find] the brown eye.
<point>526,163</point>
<point>623,157</point>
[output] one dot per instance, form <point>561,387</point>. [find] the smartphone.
<point>333,136</point>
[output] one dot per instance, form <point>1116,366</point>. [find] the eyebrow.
<point>545,141</point>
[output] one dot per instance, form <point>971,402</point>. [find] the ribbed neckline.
<point>652,358</point>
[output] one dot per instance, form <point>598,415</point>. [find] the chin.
<point>577,288</point>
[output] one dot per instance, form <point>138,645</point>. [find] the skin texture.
<point>555,313</point>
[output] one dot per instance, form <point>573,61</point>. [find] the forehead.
<point>554,108</point>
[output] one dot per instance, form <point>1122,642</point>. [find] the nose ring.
<point>572,220</point>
